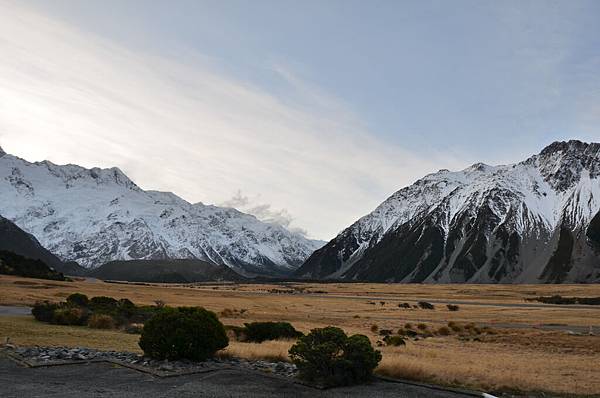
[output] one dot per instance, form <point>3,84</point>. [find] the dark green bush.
<point>424,305</point>
<point>395,341</point>
<point>452,307</point>
<point>104,305</point>
<point>183,333</point>
<point>43,311</point>
<point>69,316</point>
<point>328,356</point>
<point>78,300</point>
<point>261,331</point>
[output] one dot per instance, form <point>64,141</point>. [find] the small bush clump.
<point>374,328</point>
<point>43,311</point>
<point>104,305</point>
<point>424,305</point>
<point>394,341</point>
<point>262,331</point>
<point>78,300</point>
<point>422,326</point>
<point>183,333</point>
<point>452,307</point>
<point>403,305</point>
<point>455,327</point>
<point>329,357</point>
<point>69,316</point>
<point>101,321</point>
<point>443,331</point>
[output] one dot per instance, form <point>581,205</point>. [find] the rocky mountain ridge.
<point>535,221</point>
<point>93,216</point>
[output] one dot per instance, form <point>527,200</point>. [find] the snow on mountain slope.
<point>523,222</point>
<point>93,216</point>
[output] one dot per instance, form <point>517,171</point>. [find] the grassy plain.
<point>520,356</point>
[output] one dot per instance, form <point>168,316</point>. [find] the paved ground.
<point>107,380</point>
<point>7,310</point>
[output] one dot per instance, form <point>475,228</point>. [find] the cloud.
<point>263,211</point>
<point>184,125</point>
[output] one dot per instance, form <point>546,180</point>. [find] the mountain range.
<point>94,216</point>
<point>536,221</point>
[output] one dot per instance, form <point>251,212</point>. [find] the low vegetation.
<point>99,312</point>
<point>257,332</point>
<point>14,264</point>
<point>557,299</point>
<point>329,357</point>
<point>192,333</point>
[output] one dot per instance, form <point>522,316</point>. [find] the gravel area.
<point>52,355</point>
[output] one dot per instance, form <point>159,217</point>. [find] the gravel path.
<point>108,380</point>
<point>9,310</point>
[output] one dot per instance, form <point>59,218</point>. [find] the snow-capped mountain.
<point>537,221</point>
<point>93,216</point>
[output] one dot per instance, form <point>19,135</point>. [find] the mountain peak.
<point>571,146</point>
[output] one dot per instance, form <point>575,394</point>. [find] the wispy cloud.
<point>263,211</point>
<point>184,125</point>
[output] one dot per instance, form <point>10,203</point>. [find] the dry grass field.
<point>528,349</point>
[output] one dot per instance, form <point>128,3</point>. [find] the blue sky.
<point>365,97</point>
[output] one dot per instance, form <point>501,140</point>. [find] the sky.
<point>307,113</point>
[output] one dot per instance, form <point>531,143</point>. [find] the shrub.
<point>183,333</point>
<point>408,326</point>
<point>455,327</point>
<point>452,307</point>
<point>78,300</point>
<point>443,331</point>
<point>101,321</point>
<point>374,328</point>
<point>394,341</point>
<point>69,316</point>
<point>422,326</point>
<point>261,331</point>
<point>404,305</point>
<point>385,332</point>
<point>407,332</point>
<point>104,305</point>
<point>425,305</point>
<point>328,356</point>
<point>43,311</point>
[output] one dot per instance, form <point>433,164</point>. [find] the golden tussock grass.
<point>526,359</point>
<point>276,350</point>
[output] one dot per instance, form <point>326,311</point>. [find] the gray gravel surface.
<point>9,310</point>
<point>109,380</point>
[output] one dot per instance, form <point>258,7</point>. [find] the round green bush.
<point>329,357</point>
<point>78,300</point>
<point>69,316</point>
<point>183,333</point>
<point>261,331</point>
<point>104,305</point>
<point>43,311</point>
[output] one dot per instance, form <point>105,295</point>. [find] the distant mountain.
<point>165,271</point>
<point>14,264</point>
<point>536,221</point>
<point>14,239</point>
<point>93,216</point>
